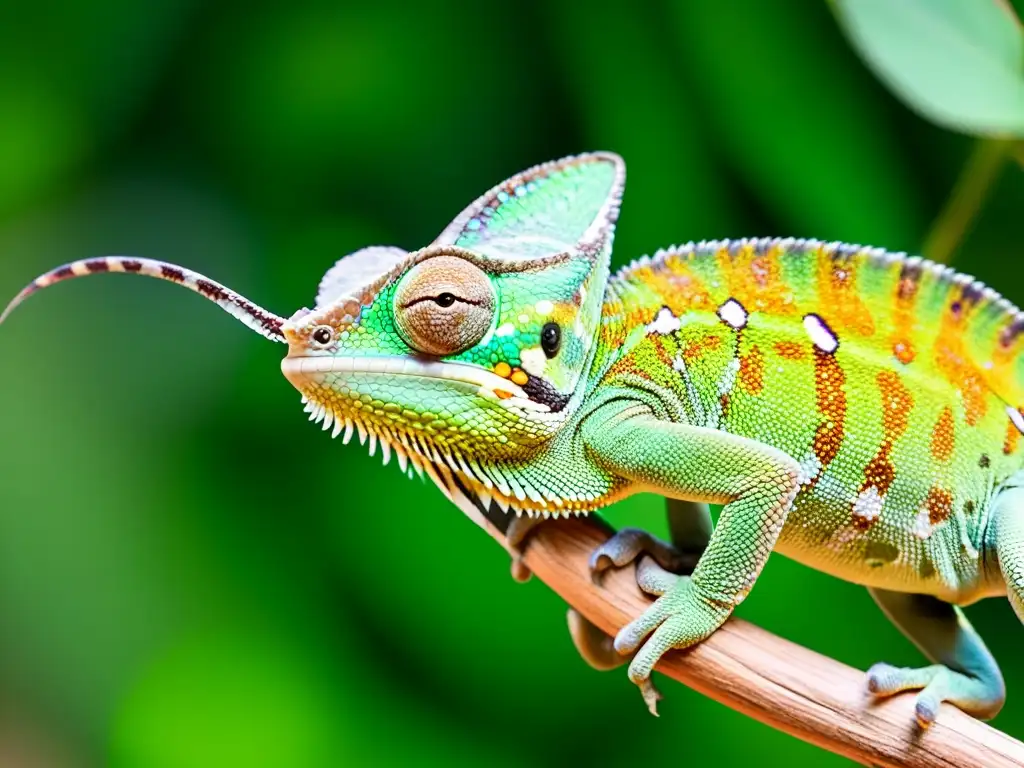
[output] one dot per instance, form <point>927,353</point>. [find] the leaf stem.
<point>969,193</point>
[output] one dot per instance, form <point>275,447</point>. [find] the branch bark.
<point>771,679</point>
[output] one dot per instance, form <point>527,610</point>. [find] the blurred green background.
<point>192,575</point>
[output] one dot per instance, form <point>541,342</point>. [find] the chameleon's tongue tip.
<point>15,302</point>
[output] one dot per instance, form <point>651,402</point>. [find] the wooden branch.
<point>773,680</point>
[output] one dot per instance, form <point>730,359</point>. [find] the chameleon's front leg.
<point>756,482</point>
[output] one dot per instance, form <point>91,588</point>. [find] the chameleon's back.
<point>896,383</point>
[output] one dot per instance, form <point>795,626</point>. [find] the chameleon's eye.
<point>444,305</point>
<point>323,335</point>
<point>445,299</point>
<point>550,339</point>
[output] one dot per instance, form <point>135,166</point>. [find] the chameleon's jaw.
<point>306,371</point>
<point>337,392</point>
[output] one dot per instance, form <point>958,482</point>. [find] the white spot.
<point>809,468</point>
<point>664,323</point>
<point>534,361</point>
<point>505,330</point>
<point>700,416</point>
<point>733,314</point>
<point>868,505</point>
<point>524,319</point>
<point>728,380</point>
<point>922,525</point>
<point>820,334</point>
<point>1016,418</point>
<point>544,307</point>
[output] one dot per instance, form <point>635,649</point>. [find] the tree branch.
<point>773,680</point>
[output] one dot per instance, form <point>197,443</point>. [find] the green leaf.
<point>958,63</point>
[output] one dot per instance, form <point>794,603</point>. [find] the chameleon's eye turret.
<point>444,305</point>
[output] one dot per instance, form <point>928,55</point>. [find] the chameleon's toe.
<point>628,544</point>
<point>667,635</point>
<point>937,683</point>
<point>520,571</point>
<point>653,579</point>
<point>594,646</point>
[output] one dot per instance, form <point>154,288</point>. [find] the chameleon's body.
<point>902,430</point>
<point>855,410</point>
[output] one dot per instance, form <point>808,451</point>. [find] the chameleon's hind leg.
<point>965,674</point>
<point>1005,540</point>
<point>689,524</point>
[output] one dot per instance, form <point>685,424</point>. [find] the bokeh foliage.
<point>191,575</point>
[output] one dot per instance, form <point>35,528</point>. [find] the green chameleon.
<point>850,408</point>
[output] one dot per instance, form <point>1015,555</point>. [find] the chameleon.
<point>856,410</point>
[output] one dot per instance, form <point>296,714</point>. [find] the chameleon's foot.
<point>937,683</point>
<point>596,648</point>
<point>677,619</point>
<point>519,529</point>
<point>628,544</point>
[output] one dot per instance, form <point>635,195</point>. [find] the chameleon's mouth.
<point>471,484</point>
<point>302,371</point>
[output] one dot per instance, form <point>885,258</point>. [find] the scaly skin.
<point>855,410</point>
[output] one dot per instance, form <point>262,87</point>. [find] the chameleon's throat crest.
<point>472,483</point>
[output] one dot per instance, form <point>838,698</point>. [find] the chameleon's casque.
<point>857,410</point>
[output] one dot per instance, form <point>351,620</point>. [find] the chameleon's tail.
<point>255,317</point>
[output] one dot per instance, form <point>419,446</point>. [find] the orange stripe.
<point>831,400</point>
<point>943,437</point>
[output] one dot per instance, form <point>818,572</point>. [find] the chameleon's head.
<point>463,357</point>
<point>477,345</point>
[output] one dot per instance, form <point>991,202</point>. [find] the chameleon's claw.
<point>651,696</point>
<point>628,544</point>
